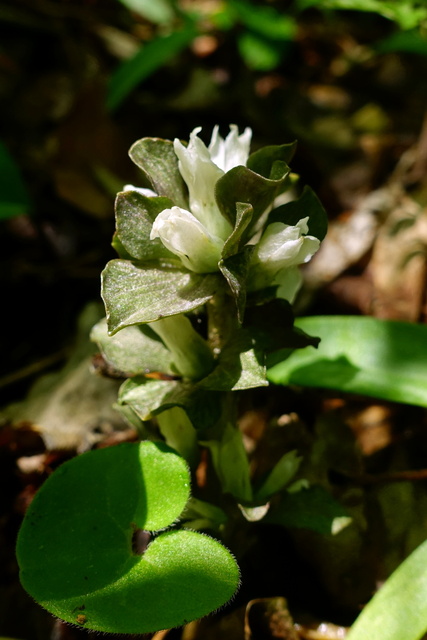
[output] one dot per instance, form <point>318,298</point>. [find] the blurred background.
<point>81,80</point>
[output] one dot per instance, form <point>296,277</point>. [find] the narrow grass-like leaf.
<point>148,59</point>
<point>380,358</point>
<point>398,610</point>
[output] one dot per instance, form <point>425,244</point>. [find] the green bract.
<point>193,233</point>
<point>75,546</point>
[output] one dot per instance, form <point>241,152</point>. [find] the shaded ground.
<point>359,117</point>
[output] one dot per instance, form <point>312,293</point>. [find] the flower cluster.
<point>197,235</point>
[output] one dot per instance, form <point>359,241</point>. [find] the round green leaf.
<point>75,545</point>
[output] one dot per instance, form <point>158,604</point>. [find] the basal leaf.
<point>134,294</point>
<point>75,545</point>
<point>381,358</point>
<point>398,610</point>
<point>157,159</point>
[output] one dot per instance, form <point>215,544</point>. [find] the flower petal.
<point>186,237</point>
<point>231,152</point>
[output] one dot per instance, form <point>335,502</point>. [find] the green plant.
<point>199,307</point>
<point>199,244</point>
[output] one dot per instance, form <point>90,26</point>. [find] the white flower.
<point>282,247</point>
<point>197,236</point>
<point>186,237</point>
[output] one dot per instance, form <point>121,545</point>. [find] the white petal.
<point>186,237</point>
<point>145,192</point>
<point>231,152</point>
<point>201,176</point>
<point>289,281</point>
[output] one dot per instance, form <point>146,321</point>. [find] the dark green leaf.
<point>380,358</point>
<point>313,508</point>
<point>269,22</point>
<point>404,41</point>
<point>245,186</point>
<point>271,325</point>
<point>238,237</point>
<point>262,160</point>
<point>75,545</point>
<point>14,198</point>
<point>240,366</point>
<point>308,204</point>
<point>235,270</point>
<point>134,294</point>
<point>158,161</point>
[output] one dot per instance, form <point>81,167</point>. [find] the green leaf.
<point>149,397</point>
<point>157,159</point>
<point>398,610</point>
<point>159,12</point>
<point>238,237</point>
<point>265,20</point>
<point>281,474</point>
<point>145,396</point>
<point>308,204</point>
<point>235,270</point>
<point>134,294</point>
<point>243,185</point>
<point>271,326</point>
<point>380,358</point>
<point>259,53</point>
<point>135,214</point>
<point>231,463</point>
<point>404,41</point>
<point>240,365</point>
<point>313,508</point>
<point>75,544</point>
<point>14,198</point>
<point>133,350</point>
<point>262,160</point>
<point>406,13</point>
<point>146,61</point>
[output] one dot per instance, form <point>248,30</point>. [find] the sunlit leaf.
<point>75,545</point>
<point>380,358</point>
<point>136,294</point>
<point>398,610</point>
